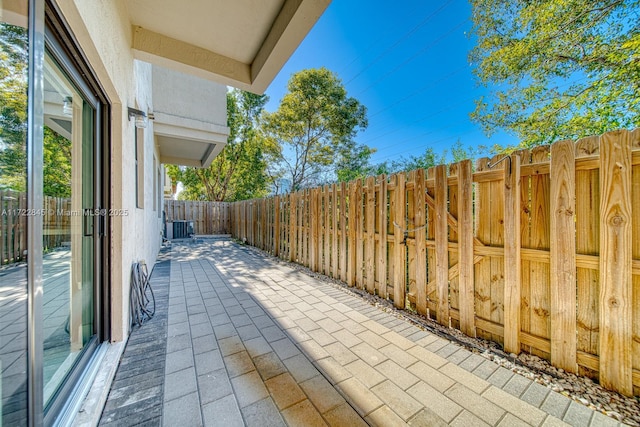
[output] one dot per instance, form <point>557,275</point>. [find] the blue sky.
<point>407,62</point>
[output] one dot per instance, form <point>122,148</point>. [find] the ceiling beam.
<point>168,52</point>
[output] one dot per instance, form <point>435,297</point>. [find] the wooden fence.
<point>207,217</point>
<point>13,224</point>
<point>539,251</point>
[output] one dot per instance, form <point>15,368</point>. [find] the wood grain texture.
<point>442,253</point>
<point>326,252</point>
<point>420,238</point>
<point>400,253</point>
<point>482,271</point>
<point>465,249</point>
<point>615,262</point>
<point>382,223</point>
<point>352,244</point>
<point>335,212</point>
<point>276,226</point>
<point>540,239</point>
<point>359,236</point>
<point>411,248</point>
<point>370,223</point>
<point>635,253</point>
<point>512,247</point>
<point>452,213</point>
<point>392,231</point>
<point>343,232</point>
<point>588,243</point>
<point>563,256</point>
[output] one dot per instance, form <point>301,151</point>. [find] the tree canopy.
<point>314,128</point>
<point>558,69</point>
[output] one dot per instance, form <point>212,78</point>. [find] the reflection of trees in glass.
<point>13,123</point>
<point>13,106</point>
<point>57,164</point>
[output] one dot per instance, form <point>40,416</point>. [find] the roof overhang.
<point>241,43</point>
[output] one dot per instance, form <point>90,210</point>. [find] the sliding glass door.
<point>69,229</point>
<point>53,188</point>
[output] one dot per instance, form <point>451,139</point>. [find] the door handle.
<point>88,222</point>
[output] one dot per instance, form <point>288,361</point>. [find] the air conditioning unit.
<point>182,229</point>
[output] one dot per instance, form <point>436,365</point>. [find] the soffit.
<point>241,43</point>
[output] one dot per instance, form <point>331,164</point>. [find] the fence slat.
<point>334,231</point>
<point>421,237</point>
<point>512,246</point>
<point>351,265</point>
<point>293,226</point>
<point>343,231</point>
<point>563,256</point>
<point>465,248</point>
<point>615,262</point>
<point>382,232</point>
<point>370,209</point>
<point>635,253</point>
<point>442,245</point>
<point>400,253</point>
<point>359,236</point>
<point>327,231</point>
<point>276,236</point>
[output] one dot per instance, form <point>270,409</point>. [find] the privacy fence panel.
<point>207,217</point>
<point>538,250</point>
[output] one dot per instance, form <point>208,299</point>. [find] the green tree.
<point>354,162</point>
<point>56,174</point>
<point>426,160</point>
<point>558,69</point>
<point>239,171</point>
<point>314,128</point>
<point>13,107</point>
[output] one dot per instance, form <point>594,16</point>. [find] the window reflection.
<point>13,204</point>
<point>67,270</point>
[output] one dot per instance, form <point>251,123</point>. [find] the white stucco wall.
<point>103,31</point>
<point>188,96</point>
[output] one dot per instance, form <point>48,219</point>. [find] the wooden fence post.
<point>563,256</point>
<point>400,249</point>
<point>420,241</point>
<point>615,262</point>
<point>512,258</point>
<point>465,248</point>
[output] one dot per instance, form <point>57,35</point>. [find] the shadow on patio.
<point>242,339</point>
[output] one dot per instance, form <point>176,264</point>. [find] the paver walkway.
<point>250,341</point>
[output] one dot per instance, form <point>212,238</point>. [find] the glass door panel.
<point>14,65</point>
<point>68,229</point>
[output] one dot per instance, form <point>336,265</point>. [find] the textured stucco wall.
<point>188,96</point>
<point>103,31</point>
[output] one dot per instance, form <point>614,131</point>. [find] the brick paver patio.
<point>245,340</point>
